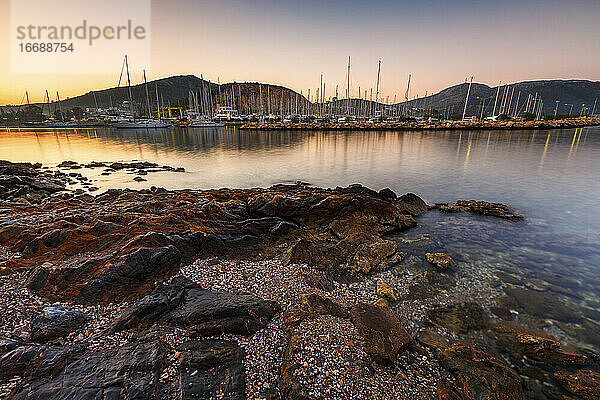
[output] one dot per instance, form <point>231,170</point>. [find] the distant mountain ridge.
<point>575,92</point>
<point>174,91</point>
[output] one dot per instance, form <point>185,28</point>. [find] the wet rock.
<point>139,179</point>
<point>460,317</point>
<point>412,204</point>
<point>584,383</point>
<point>385,291</point>
<point>388,194</point>
<point>543,305</point>
<point>384,335</point>
<point>18,180</point>
<point>480,376</point>
<point>441,260</point>
<point>186,305</point>
<point>54,322</point>
<point>483,208</point>
<point>537,345</point>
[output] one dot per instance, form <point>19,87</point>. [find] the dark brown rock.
<point>312,306</point>
<point>440,260</point>
<point>480,376</point>
<point>384,335</point>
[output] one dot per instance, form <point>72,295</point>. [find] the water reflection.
<point>550,176</point>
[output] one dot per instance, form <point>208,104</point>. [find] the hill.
<point>249,97</point>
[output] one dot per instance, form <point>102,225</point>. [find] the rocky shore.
<point>285,292</point>
<point>425,125</point>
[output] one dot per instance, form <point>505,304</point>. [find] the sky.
<point>291,43</point>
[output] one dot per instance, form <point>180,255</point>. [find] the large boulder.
<point>140,237</point>
<point>185,304</point>
<point>384,335</point>
<point>412,204</point>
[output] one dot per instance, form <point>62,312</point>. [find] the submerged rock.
<point>584,383</point>
<point>440,260</point>
<point>460,317</point>
<point>543,305</point>
<point>481,207</point>
<point>384,335</point>
<point>537,345</point>
<point>480,376</point>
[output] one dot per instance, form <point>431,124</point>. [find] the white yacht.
<point>141,124</point>
<point>204,122</point>
<point>227,113</point>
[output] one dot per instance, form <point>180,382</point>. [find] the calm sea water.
<point>550,176</point>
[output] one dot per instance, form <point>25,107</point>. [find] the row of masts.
<point>272,100</point>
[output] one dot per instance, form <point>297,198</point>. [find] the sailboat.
<point>51,122</point>
<point>196,119</point>
<point>132,122</point>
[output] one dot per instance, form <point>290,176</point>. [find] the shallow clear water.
<point>551,177</point>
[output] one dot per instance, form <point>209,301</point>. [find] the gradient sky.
<point>292,42</point>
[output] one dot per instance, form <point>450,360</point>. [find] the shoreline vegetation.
<point>292,292</point>
<point>425,125</point>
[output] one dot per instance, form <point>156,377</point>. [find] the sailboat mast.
<point>348,92</point>
<point>62,117</point>
<point>377,87</point>
<point>129,89</point>
<point>407,94</point>
<point>157,102</point>
<point>496,101</point>
<point>147,95</point>
<point>467,99</point>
